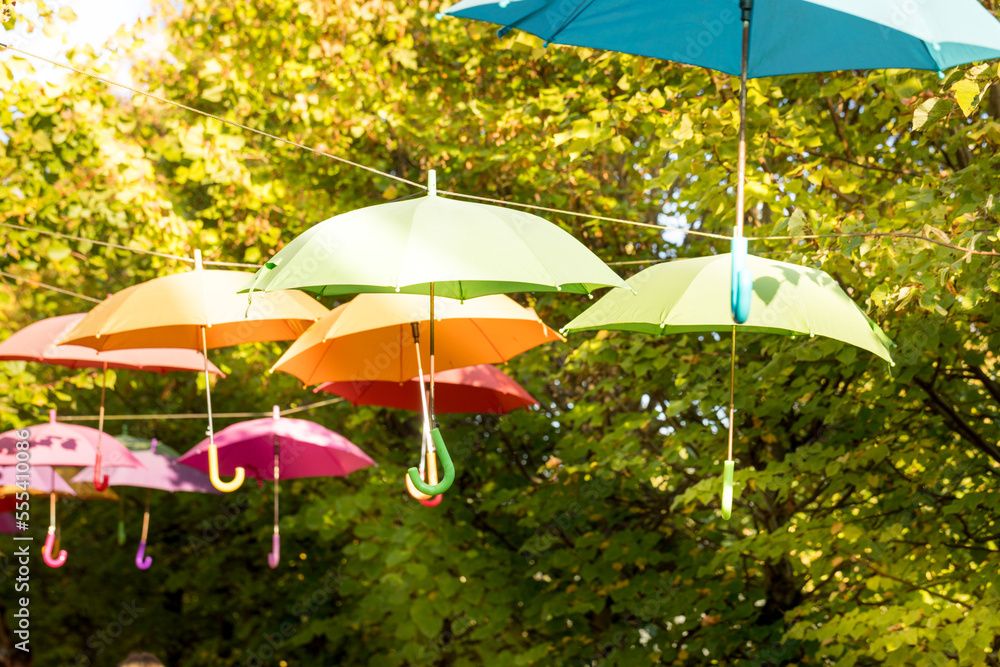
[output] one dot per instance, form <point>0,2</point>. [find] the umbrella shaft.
<point>430,400</point>
<point>742,149</point>
<point>208,387</point>
<point>145,516</point>
<point>52,508</point>
<point>100,416</point>
<point>732,394</point>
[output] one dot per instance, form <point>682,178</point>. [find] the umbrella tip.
<point>276,412</point>
<point>197,258</point>
<point>431,182</point>
<point>52,416</point>
<point>152,445</point>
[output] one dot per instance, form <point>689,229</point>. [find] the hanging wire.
<point>164,100</point>
<point>202,415</point>
<point>116,246</point>
<point>535,207</point>
<point>49,287</point>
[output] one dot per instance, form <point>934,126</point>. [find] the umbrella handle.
<point>432,478</point>
<point>99,485</point>
<point>449,469</point>
<point>727,490</point>
<point>413,490</point>
<point>50,539</point>
<point>274,557</point>
<point>121,532</point>
<point>142,561</point>
<point>742,280</point>
<point>213,473</point>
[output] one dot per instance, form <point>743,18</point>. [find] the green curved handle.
<point>727,490</point>
<point>121,532</point>
<point>446,464</point>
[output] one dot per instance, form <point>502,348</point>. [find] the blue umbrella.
<point>785,36</point>
<point>777,37</point>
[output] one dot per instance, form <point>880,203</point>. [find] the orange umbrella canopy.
<point>371,337</point>
<point>170,311</point>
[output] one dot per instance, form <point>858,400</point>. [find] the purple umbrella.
<point>159,471</point>
<point>299,448</point>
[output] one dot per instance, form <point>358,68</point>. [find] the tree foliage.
<point>864,529</point>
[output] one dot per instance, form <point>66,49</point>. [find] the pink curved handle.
<point>98,484</point>
<point>434,501</point>
<point>275,555</point>
<point>142,561</point>
<point>47,552</point>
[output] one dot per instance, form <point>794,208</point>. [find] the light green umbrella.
<point>436,246</point>
<point>690,295</point>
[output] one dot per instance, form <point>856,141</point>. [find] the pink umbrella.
<point>38,342</point>
<point>40,480</point>
<point>480,389</point>
<point>56,444</point>
<point>299,448</point>
<point>23,477</point>
<point>160,471</point>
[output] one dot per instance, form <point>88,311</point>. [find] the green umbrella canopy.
<point>690,295</point>
<point>465,249</point>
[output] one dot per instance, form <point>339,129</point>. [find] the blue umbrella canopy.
<point>786,36</point>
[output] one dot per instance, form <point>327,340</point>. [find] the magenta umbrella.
<point>479,389</point>
<point>160,471</point>
<point>38,342</point>
<point>272,447</point>
<point>56,444</point>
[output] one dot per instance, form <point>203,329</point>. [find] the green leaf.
<point>930,112</point>
<point>967,95</point>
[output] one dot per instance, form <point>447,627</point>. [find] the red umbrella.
<point>482,388</point>
<point>38,342</point>
<point>479,389</point>
<point>56,444</point>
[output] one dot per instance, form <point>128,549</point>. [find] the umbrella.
<point>365,340</point>
<point>433,244</point>
<point>160,471</point>
<point>371,337</point>
<point>482,388</point>
<point>39,342</point>
<point>56,444</point>
<point>478,389</point>
<point>195,310</point>
<point>59,444</point>
<point>777,37</point>
<point>687,295</point>
<point>277,446</point>
<point>30,479</point>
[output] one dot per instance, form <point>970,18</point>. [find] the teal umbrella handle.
<point>742,280</point>
<point>727,490</point>
<point>121,532</point>
<point>446,464</point>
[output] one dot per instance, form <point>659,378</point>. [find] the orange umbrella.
<point>197,310</point>
<point>372,337</point>
<point>377,337</point>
